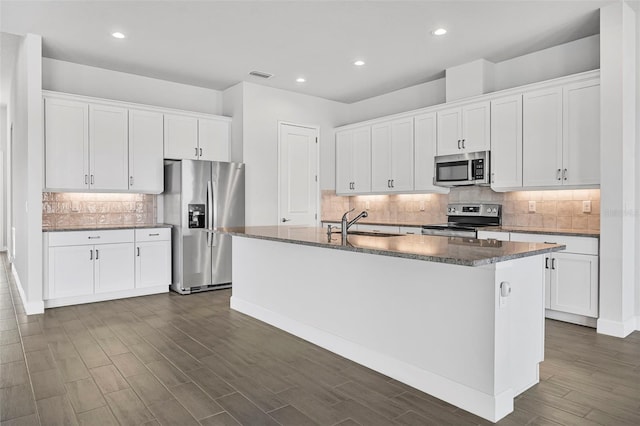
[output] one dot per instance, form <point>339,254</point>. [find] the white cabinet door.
<point>424,151</point>
<point>213,140</point>
<point>542,138</point>
<point>114,267</point>
<point>70,271</point>
<point>476,130</point>
<point>180,137</point>
<point>362,160</point>
<point>581,148</point>
<point>108,148</point>
<point>506,143</point>
<point>381,157</point>
<point>574,284</point>
<point>146,168</point>
<point>66,138</point>
<point>344,162</point>
<point>402,155</point>
<point>153,263</point>
<point>449,131</point>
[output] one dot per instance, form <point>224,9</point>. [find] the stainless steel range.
<point>464,219</point>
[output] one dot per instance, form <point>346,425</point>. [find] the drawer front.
<point>578,245</point>
<point>377,228</point>
<point>493,235</point>
<point>411,230</point>
<point>74,238</point>
<point>153,234</point>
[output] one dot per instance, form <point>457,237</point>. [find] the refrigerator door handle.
<point>209,213</point>
<point>214,205</point>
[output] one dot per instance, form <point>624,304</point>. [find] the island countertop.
<point>452,250</point>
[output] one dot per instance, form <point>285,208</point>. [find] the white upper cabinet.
<point>353,161</point>
<point>424,143</point>
<point>214,140</point>
<point>196,138</point>
<point>542,138</point>
<point>146,169</point>
<point>506,143</point>
<point>392,156</point>
<point>581,153</point>
<point>108,148</point>
<point>464,129</point>
<point>181,137</point>
<point>66,135</point>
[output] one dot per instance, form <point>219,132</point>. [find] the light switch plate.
<point>532,206</point>
<point>586,207</point>
<point>421,206</point>
<point>366,205</point>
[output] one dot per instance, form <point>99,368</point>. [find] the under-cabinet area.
<point>95,265</point>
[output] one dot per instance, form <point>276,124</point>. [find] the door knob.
<point>285,220</point>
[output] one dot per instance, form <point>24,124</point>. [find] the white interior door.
<point>298,192</point>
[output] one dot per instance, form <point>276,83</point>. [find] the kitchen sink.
<point>374,234</point>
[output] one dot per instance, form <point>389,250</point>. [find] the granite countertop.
<point>102,227</point>
<point>452,250</point>
<point>501,228</point>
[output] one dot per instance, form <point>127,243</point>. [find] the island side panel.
<point>431,325</point>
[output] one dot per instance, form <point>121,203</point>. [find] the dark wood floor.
<point>183,360</point>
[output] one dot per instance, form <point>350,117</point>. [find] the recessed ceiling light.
<point>439,32</point>
<point>118,35</point>
<point>358,63</point>
<point>300,80</point>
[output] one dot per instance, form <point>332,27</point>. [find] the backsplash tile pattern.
<point>555,209</point>
<point>89,209</point>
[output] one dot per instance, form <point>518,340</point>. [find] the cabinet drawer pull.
<point>154,235</point>
<point>549,242</point>
<point>200,152</point>
<point>94,238</point>
<point>138,251</point>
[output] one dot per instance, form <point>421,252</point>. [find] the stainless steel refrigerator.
<point>198,196</point>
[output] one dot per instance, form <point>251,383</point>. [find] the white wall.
<point>636,7</point>
<point>618,169</point>
<point>263,108</point>
<point>79,79</point>
<point>3,177</point>
<point>232,106</point>
<point>565,59</point>
<point>26,113</point>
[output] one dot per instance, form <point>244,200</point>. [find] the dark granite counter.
<point>452,250</point>
<point>101,227</point>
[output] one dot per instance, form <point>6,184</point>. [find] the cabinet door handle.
<point>154,235</point>
<point>196,151</point>
<point>91,179</point>
<point>392,183</point>
<point>493,177</point>
<point>130,180</point>
<point>388,183</point>
<point>86,179</point>
<point>553,263</point>
<point>546,263</point>
<point>96,254</point>
<point>558,174</point>
<point>200,152</point>
<point>458,143</point>
<point>90,254</point>
<point>564,174</point>
<point>463,143</point>
<point>138,251</point>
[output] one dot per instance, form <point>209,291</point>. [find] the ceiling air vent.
<point>261,74</point>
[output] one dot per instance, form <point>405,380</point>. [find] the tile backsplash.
<point>554,209</point>
<point>89,209</point>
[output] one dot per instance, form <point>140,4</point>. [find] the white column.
<point>618,174</point>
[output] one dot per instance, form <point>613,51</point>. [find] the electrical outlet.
<point>75,206</point>
<point>532,206</point>
<point>421,206</point>
<point>586,207</point>
<point>366,205</point>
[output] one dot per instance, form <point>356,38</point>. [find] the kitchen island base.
<point>442,328</point>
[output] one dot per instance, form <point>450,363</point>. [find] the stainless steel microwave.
<point>471,168</point>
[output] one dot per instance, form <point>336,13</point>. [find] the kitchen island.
<point>460,319</point>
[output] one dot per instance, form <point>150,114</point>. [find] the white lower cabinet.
<point>571,276</point>
<point>90,266</point>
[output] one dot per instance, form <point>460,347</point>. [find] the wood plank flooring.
<point>190,360</point>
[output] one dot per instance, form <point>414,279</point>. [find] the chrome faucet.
<point>346,224</point>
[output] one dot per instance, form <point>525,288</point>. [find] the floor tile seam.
<point>24,354</point>
<point>243,395</point>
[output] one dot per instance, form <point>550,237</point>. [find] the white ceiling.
<point>215,44</point>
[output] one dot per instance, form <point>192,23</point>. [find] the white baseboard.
<point>638,323</point>
<point>30,307</point>
<point>101,297</point>
<point>490,407</point>
<point>617,328</point>
<point>572,318</point>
